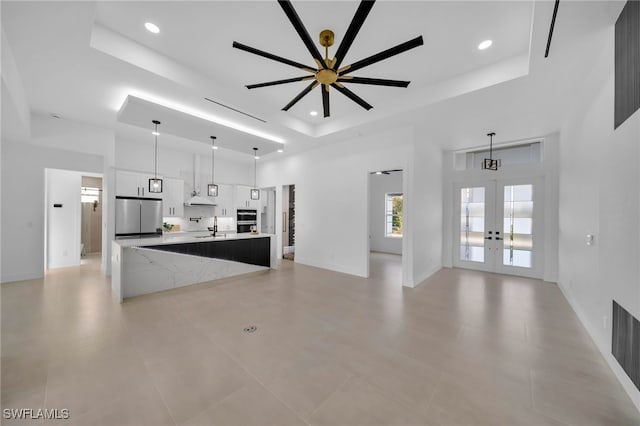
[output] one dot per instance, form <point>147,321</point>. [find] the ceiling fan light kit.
<point>327,72</point>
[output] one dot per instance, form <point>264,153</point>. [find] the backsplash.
<point>206,219</point>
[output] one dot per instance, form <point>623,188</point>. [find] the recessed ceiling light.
<point>313,113</point>
<point>214,147</point>
<point>281,150</point>
<point>155,133</point>
<point>485,44</point>
<point>378,173</point>
<point>152,28</point>
<point>256,157</point>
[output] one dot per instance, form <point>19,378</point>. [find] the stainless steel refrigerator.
<point>138,217</point>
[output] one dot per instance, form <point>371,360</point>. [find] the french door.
<point>498,226</point>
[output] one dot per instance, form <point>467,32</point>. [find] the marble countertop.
<point>182,238</point>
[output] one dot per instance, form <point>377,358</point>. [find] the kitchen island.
<point>147,265</point>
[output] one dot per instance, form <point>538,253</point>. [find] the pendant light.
<point>212,188</point>
<point>490,163</point>
<point>255,192</point>
<point>155,184</point>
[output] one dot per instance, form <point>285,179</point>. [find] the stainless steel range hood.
<point>196,199</point>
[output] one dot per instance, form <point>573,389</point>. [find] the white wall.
<point>63,223</point>
<point>424,208</point>
<point>332,199</point>
<point>230,168</point>
<point>23,201</point>
<point>600,195</point>
<point>379,186</point>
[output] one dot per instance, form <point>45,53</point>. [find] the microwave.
<point>246,220</point>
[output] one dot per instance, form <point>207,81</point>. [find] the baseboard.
<point>425,276</point>
<point>385,252</point>
<point>330,267</point>
<point>9,278</point>
<point>620,374</point>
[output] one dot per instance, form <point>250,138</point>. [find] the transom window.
<point>393,215</point>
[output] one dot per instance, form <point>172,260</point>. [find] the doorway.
<point>498,226</point>
<point>91,217</point>
<point>386,225</point>
<point>73,217</point>
<point>288,222</point>
<point>268,211</point>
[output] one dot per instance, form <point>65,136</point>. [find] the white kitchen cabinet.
<point>133,184</point>
<point>173,198</point>
<point>243,198</point>
<point>224,201</point>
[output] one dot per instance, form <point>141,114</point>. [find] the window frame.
<point>388,196</point>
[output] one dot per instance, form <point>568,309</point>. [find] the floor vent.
<point>625,344</point>
<point>236,110</point>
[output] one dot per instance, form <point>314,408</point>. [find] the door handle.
<point>498,238</point>
<point>488,238</point>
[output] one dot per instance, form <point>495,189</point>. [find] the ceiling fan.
<point>328,72</point>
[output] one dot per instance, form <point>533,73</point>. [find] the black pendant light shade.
<point>490,163</point>
<point>255,192</point>
<point>155,184</point>
<point>212,188</point>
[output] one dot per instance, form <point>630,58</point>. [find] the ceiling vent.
<point>235,110</point>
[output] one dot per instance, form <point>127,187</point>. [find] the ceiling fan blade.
<point>383,55</point>
<point>374,81</point>
<point>325,99</point>
<point>349,94</point>
<point>356,23</point>
<point>273,57</point>
<point>276,82</point>
<point>302,31</point>
<point>301,95</point>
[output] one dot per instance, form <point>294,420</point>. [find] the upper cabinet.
<point>243,198</point>
<point>224,201</point>
<point>132,184</point>
<point>173,198</point>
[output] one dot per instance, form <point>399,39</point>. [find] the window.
<point>393,215</point>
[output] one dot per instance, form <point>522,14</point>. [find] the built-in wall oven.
<point>246,220</point>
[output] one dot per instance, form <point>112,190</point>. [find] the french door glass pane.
<point>472,212</point>
<point>518,225</point>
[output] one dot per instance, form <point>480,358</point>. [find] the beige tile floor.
<point>464,348</point>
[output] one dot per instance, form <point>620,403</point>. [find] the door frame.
<point>494,188</point>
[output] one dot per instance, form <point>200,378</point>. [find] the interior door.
<point>498,226</point>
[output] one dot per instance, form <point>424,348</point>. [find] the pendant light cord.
<point>491,135</point>
<point>255,161</point>
<point>213,153</point>
<point>155,166</point>
<point>155,169</point>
